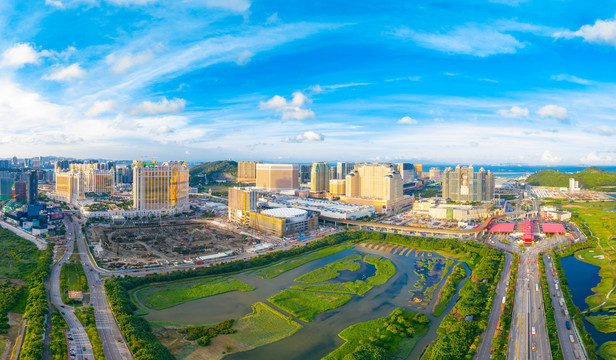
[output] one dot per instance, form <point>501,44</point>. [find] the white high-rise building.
<point>574,185</point>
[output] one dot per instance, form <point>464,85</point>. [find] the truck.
<point>532,331</point>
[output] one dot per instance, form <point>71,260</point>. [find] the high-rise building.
<point>6,188</point>
<point>247,171</point>
<point>241,202</point>
<point>418,170</point>
<point>337,187</point>
<point>31,180</point>
<point>70,186</point>
<point>319,177</point>
<point>276,177</point>
<point>407,171</point>
<point>5,164</point>
<point>79,179</point>
<point>62,165</point>
<point>124,174</point>
<point>574,185</point>
<point>304,173</point>
<point>19,191</point>
<point>435,174</point>
<point>374,181</point>
<point>343,168</point>
<point>160,188</point>
<point>468,185</point>
<point>333,172</point>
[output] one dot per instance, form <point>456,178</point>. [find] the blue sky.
<point>433,81</point>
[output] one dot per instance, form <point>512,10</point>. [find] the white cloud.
<point>66,73</point>
<point>601,130</point>
<point>471,39</point>
<point>21,54</point>
<point>244,57</point>
<point>307,136</point>
<point>122,63</point>
<point>162,130</point>
<point>161,107</point>
<point>101,107</point>
<point>593,158</point>
<point>548,157</point>
<point>571,78</point>
<point>514,113</point>
<point>232,5</point>
<point>407,120</point>
<point>272,19</point>
<point>601,32</point>
<point>554,111</point>
<point>290,110</point>
<point>318,89</point>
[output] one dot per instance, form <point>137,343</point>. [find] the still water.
<point>319,337</point>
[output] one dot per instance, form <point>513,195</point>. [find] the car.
<point>83,348</point>
<point>62,312</point>
<point>568,325</point>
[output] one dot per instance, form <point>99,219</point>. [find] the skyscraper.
<point>319,177</point>
<point>343,168</point>
<point>374,181</point>
<point>304,173</point>
<point>467,185</point>
<point>19,191</point>
<point>160,188</point>
<point>407,172</point>
<point>241,202</point>
<point>31,180</point>
<point>277,176</point>
<point>247,171</point>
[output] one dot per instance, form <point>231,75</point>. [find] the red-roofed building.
<point>502,228</point>
<point>553,228</point>
<point>528,232</point>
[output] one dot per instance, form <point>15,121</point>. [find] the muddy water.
<point>319,337</point>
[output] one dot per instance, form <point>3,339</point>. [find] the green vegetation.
<point>58,345</point>
<point>429,292</point>
<point>213,170</point>
<point>385,269</point>
<point>271,272</point>
<point>36,308</point>
<point>166,295</point>
<point>500,341</point>
<point>381,336</point>
<point>86,318</point>
<point>9,295</point>
<point>204,334</point>
<point>449,289</point>
<point>429,192</point>
<point>331,271</point>
<point>305,305</point>
<point>72,278</point>
<point>603,323</point>
<point>591,178</point>
<point>550,320</point>
<point>18,257</point>
<point>263,326</point>
<point>607,350</point>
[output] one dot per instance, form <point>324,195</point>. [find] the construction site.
<point>139,245</point>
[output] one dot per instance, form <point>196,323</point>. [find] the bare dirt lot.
<point>138,245</point>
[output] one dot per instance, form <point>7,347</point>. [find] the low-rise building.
<point>325,208</point>
<point>283,221</point>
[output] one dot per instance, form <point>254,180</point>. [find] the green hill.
<point>592,178</point>
<point>214,170</point>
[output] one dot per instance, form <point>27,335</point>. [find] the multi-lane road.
<point>80,343</point>
<point>114,346</point>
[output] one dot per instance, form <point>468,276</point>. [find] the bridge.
<point>416,228</point>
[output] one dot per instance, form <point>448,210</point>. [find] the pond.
<point>319,337</point>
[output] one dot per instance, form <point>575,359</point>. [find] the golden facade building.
<point>160,188</point>
<point>418,170</point>
<point>241,202</point>
<point>467,185</point>
<point>70,186</point>
<point>276,177</point>
<point>284,221</point>
<point>74,183</point>
<point>319,177</point>
<point>337,187</point>
<point>376,184</point>
<point>247,171</point>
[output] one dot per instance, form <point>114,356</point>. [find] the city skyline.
<point>500,82</point>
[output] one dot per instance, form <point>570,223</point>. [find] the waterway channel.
<point>319,337</point>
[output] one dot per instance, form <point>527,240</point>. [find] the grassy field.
<point>603,323</point>
<point>263,326</point>
<point>388,333</point>
<point>17,256</point>
<point>608,350</point>
<point>2,345</point>
<point>331,271</point>
<point>271,272</point>
<point>603,225</point>
<point>449,289</point>
<point>305,305</point>
<point>385,269</point>
<point>165,295</point>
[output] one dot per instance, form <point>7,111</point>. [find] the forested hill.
<point>216,170</point>
<point>591,178</point>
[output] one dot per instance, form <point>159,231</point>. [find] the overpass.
<point>416,228</point>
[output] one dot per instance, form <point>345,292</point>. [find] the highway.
<point>486,343</point>
<point>80,338</point>
<point>114,346</point>
<point>528,313</point>
<point>570,350</point>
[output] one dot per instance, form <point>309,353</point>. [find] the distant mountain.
<point>592,178</point>
<point>213,170</point>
